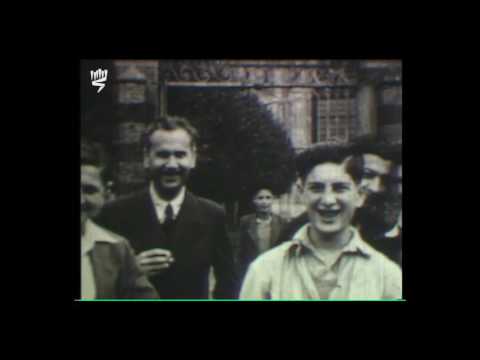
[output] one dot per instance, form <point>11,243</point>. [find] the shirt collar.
<point>301,240</point>
<point>396,230</point>
<point>262,221</point>
<point>162,204</point>
<point>94,233</point>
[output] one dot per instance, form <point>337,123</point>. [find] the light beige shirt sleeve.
<point>392,280</point>
<point>256,285</point>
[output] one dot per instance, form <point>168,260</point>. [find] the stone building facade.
<point>317,101</point>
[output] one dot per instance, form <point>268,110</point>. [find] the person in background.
<point>258,231</point>
<point>390,242</point>
<point>108,265</point>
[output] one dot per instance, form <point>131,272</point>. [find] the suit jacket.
<point>390,246</point>
<point>116,273</point>
<point>198,242</point>
<point>248,248</point>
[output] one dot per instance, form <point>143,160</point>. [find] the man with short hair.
<point>390,242</point>
<point>177,235</point>
<point>108,265</point>
<point>259,230</point>
<point>375,217</point>
<point>326,258</point>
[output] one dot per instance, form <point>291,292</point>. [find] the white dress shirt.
<point>161,204</point>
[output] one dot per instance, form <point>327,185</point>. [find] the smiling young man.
<point>380,209</point>
<point>326,258</point>
<point>177,235</point>
<point>108,265</point>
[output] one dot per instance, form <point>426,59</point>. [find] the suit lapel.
<point>187,225</point>
<point>252,231</point>
<point>150,230</point>
<point>275,229</point>
<point>147,208</point>
<point>103,272</point>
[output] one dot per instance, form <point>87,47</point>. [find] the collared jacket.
<point>115,270</point>
<point>248,248</point>
<point>198,242</point>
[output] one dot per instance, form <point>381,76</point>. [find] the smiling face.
<point>375,173</point>
<point>262,201</point>
<point>92,192</point>
<point>169,160</point>
<point>331,197</point>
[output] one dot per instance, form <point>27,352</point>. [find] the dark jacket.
<point>116,273</point>
<point>197,242</point>
<point>390,246</point>
<point>248,247</point>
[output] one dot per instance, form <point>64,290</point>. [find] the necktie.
<point>169,214</point>
<point>168,223</point>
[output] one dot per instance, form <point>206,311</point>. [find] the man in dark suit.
<point>108,265</point>
<point>390,242</point>
<point>177,235</point>
<point>259,231</point>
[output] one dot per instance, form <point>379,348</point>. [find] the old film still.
<point>241,180</point>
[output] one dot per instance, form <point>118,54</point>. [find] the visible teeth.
<point>331,213</point>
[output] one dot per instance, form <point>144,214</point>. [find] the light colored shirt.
<point>93,234</point>
<point>294,270</point>
<point>161,204</point>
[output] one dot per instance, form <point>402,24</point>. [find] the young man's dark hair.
<point>170,123</point>
<point>368,145</point>
<point>336,154</point>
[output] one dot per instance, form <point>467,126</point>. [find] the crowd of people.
<point>163,241</point>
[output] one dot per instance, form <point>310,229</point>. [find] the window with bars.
<point>336,114</point>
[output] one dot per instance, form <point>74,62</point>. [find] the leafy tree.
<point>241,145</point>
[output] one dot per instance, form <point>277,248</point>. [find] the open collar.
<point>93,234</point>
<point>300,243</point>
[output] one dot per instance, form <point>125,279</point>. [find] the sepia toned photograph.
<point>241,180</point>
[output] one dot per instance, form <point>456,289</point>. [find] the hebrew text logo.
<point>99,77</point>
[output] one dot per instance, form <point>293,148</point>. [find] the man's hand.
<point>154,261</point>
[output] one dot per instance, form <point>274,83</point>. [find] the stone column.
<point>367,110</point>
